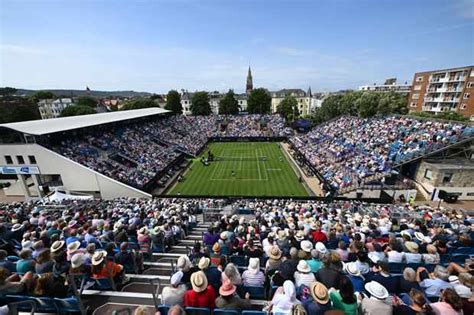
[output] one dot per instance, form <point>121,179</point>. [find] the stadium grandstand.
<point>101,243</point>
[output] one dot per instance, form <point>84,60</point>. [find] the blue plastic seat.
<point>256,293</point>
<point>69,305</point>
<point>238,260</point>
<point>223,311</point>
<point>396,267</point>
<point>254,313</point>
<point>463,251</point>
<point>197,311</point>
<point>459,259</point>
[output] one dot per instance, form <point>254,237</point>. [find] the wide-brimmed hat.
<point>227,288</point>
<point>306,246</point>
<point>216,247</point>
<point>57,246</point>
<point>274,253</point>
<point>352,269</point>
<point>319,292</point>
<point>199,281</point>
<point>204,262</point>
<point>183,262</point>
<point>254,265</point>
<point>313,226</point>
<point>419,236</point>
<point>376,290</point>
<point>143,230</point>
<point>303,266</point>
<point>406,234</point>
<point>431,248</point>
<point>299,235</point>
<point>281,234</point>
<point>320,247</point>
<point>16,227</point>
<point>412,247</point>
<point>73,246</point>
<point>223,235</point>
<point>78,260</point>
<point>98,257</point>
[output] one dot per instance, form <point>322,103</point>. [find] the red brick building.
<point>443,90</point>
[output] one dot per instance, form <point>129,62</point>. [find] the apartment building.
<point>304,99</point>
<point>443,90</point>
<point>51,108</point>
<point>390,85</point>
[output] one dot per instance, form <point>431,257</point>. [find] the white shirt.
<point>394,256</point>
<point>411,258</point>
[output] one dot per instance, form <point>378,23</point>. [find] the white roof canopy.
<point>46,126</point>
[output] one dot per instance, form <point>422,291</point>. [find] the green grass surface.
<point>268,173</point>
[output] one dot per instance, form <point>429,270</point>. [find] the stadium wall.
<point>75,177</point>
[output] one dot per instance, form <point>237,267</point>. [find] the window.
<point>32,159</point>
<point>419,78</point>
<point>417,87</point>
<point>466,95</point>
<point>413,104</point>
<point>428,174</point>
<point>415,96</point>
<point>20,159</point>
<point>463,106</point>
<point>8,159</point>
<point>447,177</point>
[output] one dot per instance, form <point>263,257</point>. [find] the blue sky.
<point>159,45</point>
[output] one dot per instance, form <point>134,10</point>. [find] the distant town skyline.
<point>155,46</point>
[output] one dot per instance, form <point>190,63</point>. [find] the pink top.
<point>443,308</point>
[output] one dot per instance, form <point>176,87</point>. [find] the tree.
<point>16,108</point>
<point>76,110</point>
<point>330,108</point>
<point>392,102</point>
<point>259,102</point>
<point>86,101</point>
<point>367,104</point>
<point>7,91</point>
<point>139,103</point>
<point>200,104</point>
<point>173,102</point>
<point>229,104</point>
<point>443,115</point>
<point>42,95</point>
<point>288,108</point>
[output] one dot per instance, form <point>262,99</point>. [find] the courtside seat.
<point>256,293</point>
<point>238,260</point>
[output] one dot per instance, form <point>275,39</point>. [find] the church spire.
<point>249,86</point>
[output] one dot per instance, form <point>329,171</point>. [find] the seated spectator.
<point>303,274</point>
<point>305,252</point>
<point>102,267</point>
<point>328,275</point>
<point>253,276</point>
<point>412,257</point>
<point>213,274</point>
<point>184,264</point>
<point>144,240</point>
<point>315,263</point>
<point>79,265</point>
<point>381,275</point>
<point>126,258</point>
<point>232,273</point>
<point>216,258</point>
<point>228,299</point>
<point>408,281</point>
<point>5,263</point>
<point>49,286</point>
<point>432,256</point>
<point>26,262</point>
<point>344,299</point>
<point>73,248</point>
<point>342,250</point>
<point>13,283</point>
<point>450,303</point>
<point>202,294</point>
<point>319,302</point>
<point>433,283</point>
<point>174,293</point>
<point>284,299</point>
<point>417,305</point>
<point>363,262</point>
<point>375,305</point>
<point>274,260</point>
<point>251,251</point>
<point>44,262</point>
<point>353,273</point>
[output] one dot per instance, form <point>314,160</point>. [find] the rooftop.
<point>46,126</point>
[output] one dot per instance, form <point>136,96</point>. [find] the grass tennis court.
<point>241,169</point>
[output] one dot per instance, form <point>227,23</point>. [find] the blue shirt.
<point>357,283</point>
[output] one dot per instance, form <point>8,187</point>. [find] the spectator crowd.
<point>304,257</point>
<point>349,150</point>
